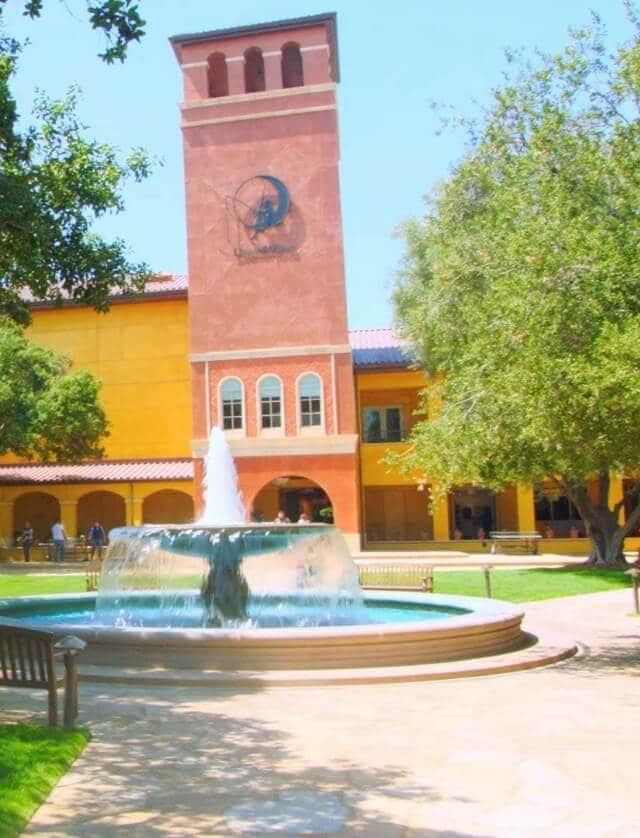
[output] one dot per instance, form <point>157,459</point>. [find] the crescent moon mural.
<point>261,202</point>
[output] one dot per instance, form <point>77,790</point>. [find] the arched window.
<point>231,403</point>
<point>253,71</point>
<point>292,74</point>
<point>217,76</point>
<point>270,393</point>
<point>310,401</point>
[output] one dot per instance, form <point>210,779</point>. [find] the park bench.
<point>405,577</point>
<point>523,542</point>
<point>27,659</point>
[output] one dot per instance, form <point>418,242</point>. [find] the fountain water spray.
<point>222,500</point>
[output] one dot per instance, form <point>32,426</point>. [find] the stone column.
<point>134,511</point>
<point>616,492</point>
<point>525,509</point>
<point>441,520</point>
<point>273,70</point>
<point>69,517</point>
<point>6,522</point>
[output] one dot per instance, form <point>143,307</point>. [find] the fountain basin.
<point>481,627</point>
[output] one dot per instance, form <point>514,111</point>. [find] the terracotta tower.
<point>270,355</point>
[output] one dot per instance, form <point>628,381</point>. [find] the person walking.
<point>97,540</point>
<point>58,536</point>
<point>27,540</point>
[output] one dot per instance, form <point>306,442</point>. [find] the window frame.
<point>382,409</point>
<point>278,431</point>
<point>310,430</point>
<point>232,432</point>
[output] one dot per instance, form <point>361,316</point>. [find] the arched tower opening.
<point>292,71</point>
<point>254,75</point>
<point>217,75</point>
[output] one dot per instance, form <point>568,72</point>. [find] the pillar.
<point>616,493</point>
<point>134,511</point>
<point>69,517</point>
<point>273,70</point>
<point>235,75</point>
<point>441,519</point>
<point>525,508</point>
<point>6,521</point>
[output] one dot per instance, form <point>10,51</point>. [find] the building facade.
<point>256,341</point>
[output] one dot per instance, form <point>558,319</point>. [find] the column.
<point>69,517</point>
<point>525,509</point>
<point>6,522</point>
<point>134,511</point>
<point>616,493</point>
<point>272,70</point>
<point>235,75</point>
<point>441,520</point>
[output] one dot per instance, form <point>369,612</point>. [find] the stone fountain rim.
<point>485,613</point>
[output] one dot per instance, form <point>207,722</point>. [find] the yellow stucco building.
<point>139,351</point>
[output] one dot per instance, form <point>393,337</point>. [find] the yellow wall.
<point>140,353</point>
<point>379,389</point>
<point>133,494</point>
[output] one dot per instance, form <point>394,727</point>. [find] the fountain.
<point>222,595</point>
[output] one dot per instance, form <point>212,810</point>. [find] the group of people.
<point>96,539</point>
<point>281,518</point>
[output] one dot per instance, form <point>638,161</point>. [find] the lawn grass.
<point>509,584</point>
<point>506,583</point>
<point>32,760</point>
<point>37,585</point>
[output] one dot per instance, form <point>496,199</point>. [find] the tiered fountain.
<point>222,595</point>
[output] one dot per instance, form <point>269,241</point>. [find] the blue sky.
<point>395,59</point>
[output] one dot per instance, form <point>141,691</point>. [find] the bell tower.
<point>269,347</point>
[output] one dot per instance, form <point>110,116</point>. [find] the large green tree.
<point>46,411</point>
<point>520,292</point>
<point>55,182</point>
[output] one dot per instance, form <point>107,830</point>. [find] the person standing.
<point>58,536</point>
<point>97,540</point>
<point>27,540</point>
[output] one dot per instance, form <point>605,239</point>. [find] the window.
<point>231,397</point>
<point>310,394</point>
<point>292,75</point>
<point>270,403</point>
<point>254,78</point>
<point>217,77</point>
<point>382,424</point>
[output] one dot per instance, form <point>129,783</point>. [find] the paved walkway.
<point>551,752</point>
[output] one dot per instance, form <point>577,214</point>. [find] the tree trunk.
<point>607,535</point>
<point>607,540</point>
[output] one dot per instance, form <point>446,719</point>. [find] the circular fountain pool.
<point>259,597</point>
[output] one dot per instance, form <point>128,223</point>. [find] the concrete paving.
<point>551,752</point>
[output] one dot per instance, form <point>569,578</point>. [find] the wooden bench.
<point>524,542</point>
<point>399,577</point>
<point>27,659</point>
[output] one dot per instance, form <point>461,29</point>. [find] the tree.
<point>120,21</point>
<point>46,411</point>
<point>520,293</point>
<point>54,183</point>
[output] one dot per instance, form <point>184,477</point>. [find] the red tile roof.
<point>106,471</point>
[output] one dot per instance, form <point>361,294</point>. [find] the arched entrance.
<point>40,509</point>
<point>107,508</point>
<point>294,495</point>
<point>168,506</point>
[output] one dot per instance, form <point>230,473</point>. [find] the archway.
<point>40,509</point>
<point>168,506</point>
<point>294,495</point>
<point>107,508</point>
